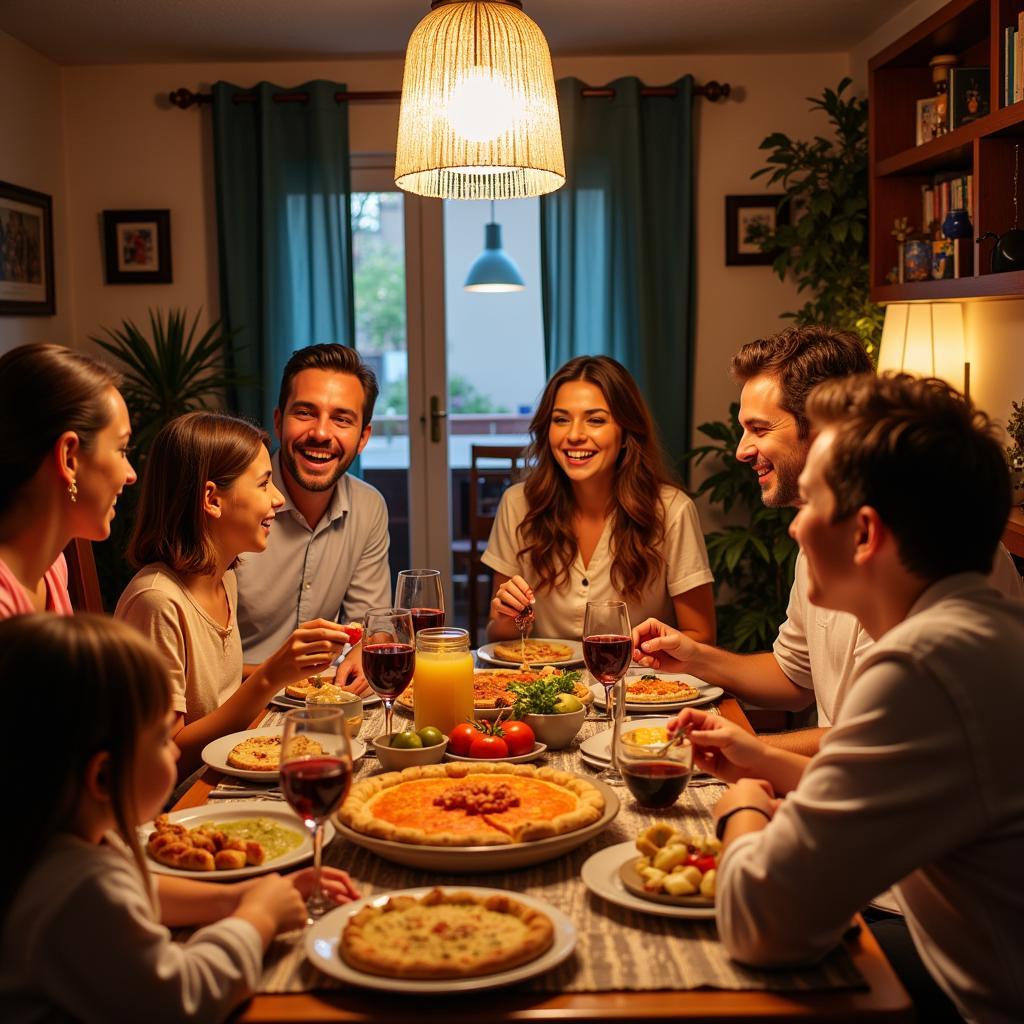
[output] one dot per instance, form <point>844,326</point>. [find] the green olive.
<point>430,736</point>
<point>406,740</point>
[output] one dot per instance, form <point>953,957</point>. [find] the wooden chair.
<point>83,582</point>
<point>487,483</point>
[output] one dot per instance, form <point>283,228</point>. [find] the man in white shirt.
<point>328,555</point>
<point>817,649</point>
<point>919,784</point>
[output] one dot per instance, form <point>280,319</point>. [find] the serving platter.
<point>215,753</point>
<point>282,700</point>
<point>478,859</point>
<point>486,653</point>
<point>707,694</point>
<point>531,755</point>
<point>600,874</point>
<point>323,937</point>
<point>238,810</point>
<point>599,746</point>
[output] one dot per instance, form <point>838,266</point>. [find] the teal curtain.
<point>285,245</point>
<point>617,243</point>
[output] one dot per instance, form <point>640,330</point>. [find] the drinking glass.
<point>654,774</point>
<point>388,655</point>
<point>607,650</point>
<point>315,784</point>
<point>422,592</point>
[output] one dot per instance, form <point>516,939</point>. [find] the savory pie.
<point>445,935</point>
<point>653,690</point>
<point>263,753</point>
<point>491,688</point>
<point>462,804</point>
<point>537,652</point>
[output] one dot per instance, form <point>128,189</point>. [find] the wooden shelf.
<point>981,286</point>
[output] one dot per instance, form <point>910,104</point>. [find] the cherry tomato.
<point>489,747</point>
<point>518,737</point>
<point>460,738</point>
<point>354,631</point>
<point>703,862</point>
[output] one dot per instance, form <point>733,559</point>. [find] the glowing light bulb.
<point>481,106</point>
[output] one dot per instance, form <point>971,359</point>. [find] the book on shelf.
<point>1018,79</point>
<point>968,95</point>
<point>1010,40</point>
<point>946,193</point>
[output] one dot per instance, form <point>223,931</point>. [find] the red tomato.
<point>460,738</point>
<point>490,747</point>
<point>703,862</point>
<point>519,738</point>
<point>354,631</point>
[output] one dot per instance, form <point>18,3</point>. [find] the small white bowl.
<point>397,758</point>
<point>557,731</point>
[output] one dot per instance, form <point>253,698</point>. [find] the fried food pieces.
<point>200,849</point>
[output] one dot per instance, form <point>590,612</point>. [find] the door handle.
<point>437,417</point>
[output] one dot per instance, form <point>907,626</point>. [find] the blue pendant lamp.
<point>494,270</point>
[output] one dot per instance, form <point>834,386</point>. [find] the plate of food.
<point>661,691</point>
<point>486,816</point>
<point>663,872</point>
<point>491,693</point>
<point>229,840</point>
<point>645,732</point>
<point>535,652</point>
<point>294,695</point>
<point>434,941</point>
<point>256,753</point>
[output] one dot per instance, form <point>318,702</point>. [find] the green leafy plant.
<point>1015,431</point>
<point>176,369</point>
<point>753,563</point>
<point>539,698</point>
<point>825,244</point>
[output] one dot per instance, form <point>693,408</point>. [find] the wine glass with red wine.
<point>607,651</point>
<point>316,772</point>
<point>656,776</point>
<point>422,592</point>
<point>389,656</point>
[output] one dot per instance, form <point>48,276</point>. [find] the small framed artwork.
<point>746,218</point>
<point>138,246</point>
<point>26,252</point>
<point>927,120</point>
<point>968,95</point>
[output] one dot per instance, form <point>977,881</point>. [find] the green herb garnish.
<point>539,698</point>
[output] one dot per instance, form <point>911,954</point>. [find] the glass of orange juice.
<point>443,679</point>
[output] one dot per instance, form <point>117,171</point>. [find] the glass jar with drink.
<point>444,678</point>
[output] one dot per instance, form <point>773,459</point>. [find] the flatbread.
<point>263,753</point>
<point>652,689</point>
<point>537,652</point>
<point>445,935</point>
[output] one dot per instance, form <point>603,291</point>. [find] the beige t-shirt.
<point>560,612</point>
<point>204,658</point>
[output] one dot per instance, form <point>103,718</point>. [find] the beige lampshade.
<point>926,338</point>
<point>479,119</point>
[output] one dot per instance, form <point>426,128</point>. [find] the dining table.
<point>856,984</point>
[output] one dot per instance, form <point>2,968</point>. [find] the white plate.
<point>707,695</point>
<point>599,746</point>
<point>462,860</point>
<point>282,700</point>
<point>228,810</point>
<point>600,874</point>
<point>215,753</point>
<point>323,937</point>
<point>538,749</point>
<point>486,653</point>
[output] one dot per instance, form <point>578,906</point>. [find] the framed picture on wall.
<point>745,218</point>
<point>137,246</point>
<point>26,252</point>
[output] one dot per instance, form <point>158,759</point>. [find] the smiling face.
<point>103,472</point>
<point>584,438</point>
<point>321,428</point>
<point>247,509</point>
<point>771,441</point>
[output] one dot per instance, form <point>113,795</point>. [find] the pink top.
<point>15,600</point>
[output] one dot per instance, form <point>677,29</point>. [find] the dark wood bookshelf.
<point>899,76</point>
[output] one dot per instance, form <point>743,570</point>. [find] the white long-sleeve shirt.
<point>920,785</point>
<point>80,941</point>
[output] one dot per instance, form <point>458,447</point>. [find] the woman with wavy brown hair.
<point>597,517</point>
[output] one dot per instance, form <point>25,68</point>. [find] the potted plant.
<point>1015,451</point>
<point>550,708</point>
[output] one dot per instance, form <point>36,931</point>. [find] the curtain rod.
<point>184,98</point>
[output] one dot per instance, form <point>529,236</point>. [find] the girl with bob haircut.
<point>81,934</point>
<point>598,516</point>
<point>207,496</point>
<point>64,432</point>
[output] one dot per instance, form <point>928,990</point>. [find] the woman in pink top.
<point>64,433</point>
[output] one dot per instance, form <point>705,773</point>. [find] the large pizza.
<point>445,935</point>
<point>461,804</point>
<point>491,688</point>
<point>651,689</point>
<point>532,652</point>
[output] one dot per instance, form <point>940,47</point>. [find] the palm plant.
<point>753,563</point>
<point>173,371</point>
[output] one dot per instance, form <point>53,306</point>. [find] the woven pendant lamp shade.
<point>479,118</point>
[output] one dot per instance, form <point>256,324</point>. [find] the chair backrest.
<point>486,485</point>
<point>83,582</point>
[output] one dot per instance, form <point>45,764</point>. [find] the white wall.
<point>32,156</point>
